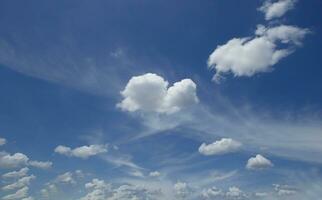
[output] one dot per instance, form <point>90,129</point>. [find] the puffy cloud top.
<point>16,174</point>
<point>81,152</point>
<point>258,162</point>
<point>276,9</point>
<point>223,146</point>
<point>150,93</point>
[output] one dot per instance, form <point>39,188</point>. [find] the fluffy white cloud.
<point>150,93</point>
<point>276,9</point>
<point>155,174</point>
<point>16,174</point>
<point>19,194</point>
<point>223,146</point>
<point>20,183</point>
<point>12,161</point>
<point>250,55</point>
<point>258,162</point>
<point>40,164</point>
<point>81,152</point>
<point>3,141</point>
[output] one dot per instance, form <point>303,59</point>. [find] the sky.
<point>160,100</point>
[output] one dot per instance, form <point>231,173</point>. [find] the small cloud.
<point>258,162</point>
<point>276,9</point>
<point>155,174</point>
<point>83,152</point>
<point>223,146</point>
<point>3,141</point>
<point>40,164</point>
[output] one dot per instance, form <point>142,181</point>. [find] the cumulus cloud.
<point>83,152</point>
<point>276,9</point>
<point>19,194</point>
<point>258,162</point>
<point>20,183</point>
<point>150,93</point>
<point>99,190</point>
<point>16,174</point>
<point>12,161</point>
<point>3,141</point>
<point>223,146</point>
<point>125,192</point>
<point>40,164</point>
<point>251,55</point>
<point>284,190</point>
<point>66,178</point>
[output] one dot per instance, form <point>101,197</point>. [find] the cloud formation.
<point>223,146</point>
<point>16,174</point>
<point>12,161</point>
<point>83,152</point>
<point>40,164</point>
<point>251,55</point>
<point>276,9</point>
<point>258,162</point>
<point>150,93</point>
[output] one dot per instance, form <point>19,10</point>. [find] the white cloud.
<point>212,193</point>
<point>125,192</point>
<point>40,164</point>
<point>19,194</point>
<point>16,174</point>
<point>81,152</point>
<point>284,190</point>
<point>276,9</point>
<point>235,193</point>
<point>223,146</point>
<point>251,55</point>
<point>181,189</point>
<point>99,190</point>
<point>66,178</point>
<point>12,161</point>
<point>150,93</point>
<point>20,183</point>
<point>155,174</point>
<point>3,141</point>
<point>258,162</point>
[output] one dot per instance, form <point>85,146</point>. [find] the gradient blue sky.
<point>63,65</point>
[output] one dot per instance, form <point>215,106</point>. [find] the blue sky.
<point>149,100</point>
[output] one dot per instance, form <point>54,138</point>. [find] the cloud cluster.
<point>20,182</point>
<point>150,93</point>
<point>83,152</point>
<point>251,55</point>
<point>215,193</point>
<point>276,9</point>
<point>258,162</point>
<point>223,146</point>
